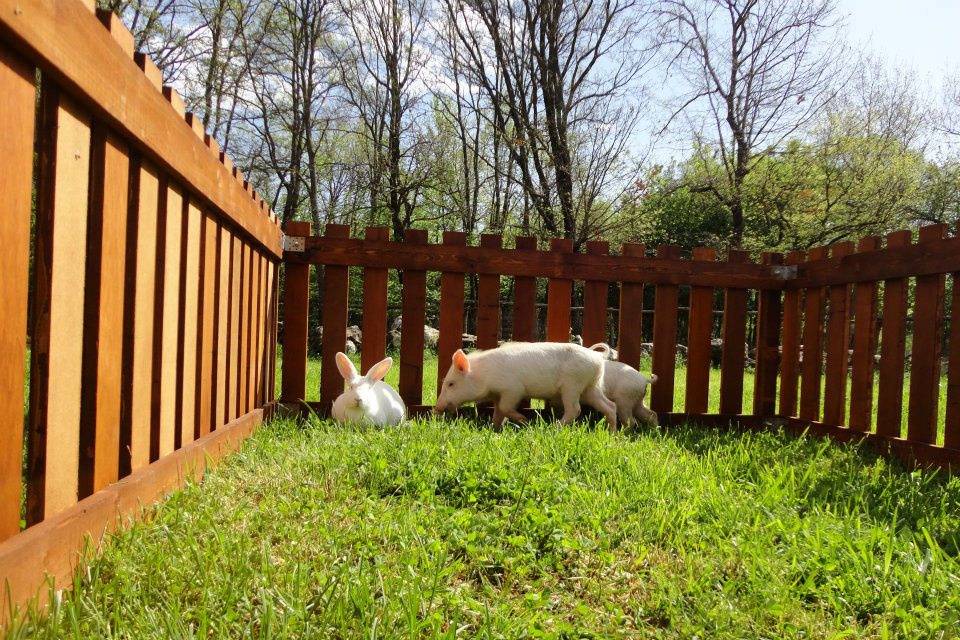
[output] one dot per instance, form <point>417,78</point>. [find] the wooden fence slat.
<point>699,333</point>
<point>733,353</point>
<point>837,346</point>
<point>451,311</point>
<point>665,307</point>
<point>864,346</point>
<point>595,296</point>
<point>951,435</point>
<point>488,299</point>
<point>336,289</point>
<point>413,310</point>
<point>264,329</point>
<point>273,325</point>
<point>103,313</point>
<point>296,310</point>
<point>57,335</point>
<point>233,384</point>
<point>246,311</point>
<point>168,324</point>
<point>222,296</point>
<point>525,298</point>
<point>893,346</point>
<point>812,348</point>
<point>768,346</point>
<point>630,333</point>
<point>559,292</point>
<point>374,327</point>
<point>925,358</point>
<point>259,306</point>
<point>206,319</point>
<point>250,375</point>
<point>190,311</point>
<point>790,360</point>
<point>16,170</point>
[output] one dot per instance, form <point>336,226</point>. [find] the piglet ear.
<point>461,362</point>
<point>379,370</point>
<point>347,370</point>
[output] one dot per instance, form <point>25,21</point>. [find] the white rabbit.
<point>367,398</point>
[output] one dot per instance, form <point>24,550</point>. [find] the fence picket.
<point>768,345</point>
<point>189,314</point>
<point>336,289</point>
<point>951,435</point>
<point>374,329</point>
<point>559,292</point>
<point>733,352</point>
<point>525,298</point>
<point>221,328</point>
<point>925,359</point>
<point>630,333</point>
<point>864,346</point>
<point>411,331</point>
<point>665,307</point>
<point>206,344</point>
<point>837,345</point>
<point>812,348</point>
<point>296,310</point>
<point>595,295</point>
<point>236,271</point>
<point>699,333</point>
<point>167,324</point>
<point>16,170</point>
<point>790,360</point>
<point>893,337</point>
<point>451,311</point>
<point>488,299</point>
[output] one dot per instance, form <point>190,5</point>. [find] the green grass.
<point>443,529</point>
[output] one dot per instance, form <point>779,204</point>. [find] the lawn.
<point>444,529</point>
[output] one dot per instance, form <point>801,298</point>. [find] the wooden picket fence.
<point>148,316</point>
<point>817,328</point>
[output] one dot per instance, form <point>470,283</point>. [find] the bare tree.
<point>755,72</point>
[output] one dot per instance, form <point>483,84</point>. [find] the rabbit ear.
<point>379,370</point>
<point>347,370</point>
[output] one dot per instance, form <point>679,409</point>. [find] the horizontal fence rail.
<point>139,287</point>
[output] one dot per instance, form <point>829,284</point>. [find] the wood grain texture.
<point>57,336</point>
<point>243,327</point>
<point>925,359</point>
<point>488,299</point>
<point>413,310</point>
<point>451,311</point>
<point>837,346</point>
<point>769,308</point>
<point>103,314</point>
<point>16,171</point>
<point>790,340</point>
<point>665,307</point>
<point>190,309</point>
<point>221,332</point>
<point>699,333</point>
<point>525,297</point>
<point>864,346</point>
<point>172,274</point>
<point>893,346</point>
<point>233,391</point>
<point>595,295</point>
<point>253,296</point>
<point>374,327</point>
<point>734,343</point>
<point>559,294</point>
<point>206,319</point>
<point>69,40</point>
<point>812,348</point>
<point>296,309</point>
<point>631,310</point>
<point>336,290</point>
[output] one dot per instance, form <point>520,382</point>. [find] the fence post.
<point>296,309</point>
<point>768,342</point>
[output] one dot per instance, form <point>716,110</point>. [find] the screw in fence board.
<point>488,298</point>
<point>790,361</point>
<point>451,310</point>
<point>864,346</point>
<point>837,343</point>
<point>57,336</point>
<point>103,313</point>
<point>893,337</point>
<point>374,306</point>
<point>630,329</point>
<point>336,289</point>
<point>665,307</point>
<point>296,309</point>
<point>559,292</point>
<point>812,345</point>
<point>699,329</point>
<point>411,330</point>
<point>16,169</point>
<point>733,352</point>
<point>925,359</point>
<point>595,294</point>
<point>768,343</point>
<point>167,301</point>
<point>525,298</point>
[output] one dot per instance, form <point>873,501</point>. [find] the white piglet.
<point>626,387</point>
<point>367,398</point>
